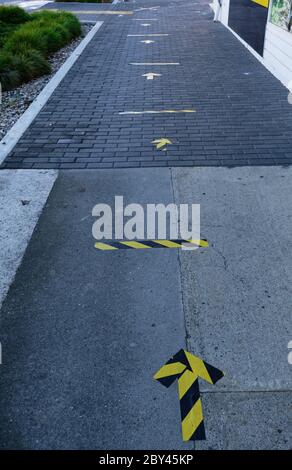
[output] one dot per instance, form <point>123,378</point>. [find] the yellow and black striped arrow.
<point>187,368</point>
<point>141,244</point>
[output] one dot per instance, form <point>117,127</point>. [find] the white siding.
<point>225,12</point>
<point>278,52</point>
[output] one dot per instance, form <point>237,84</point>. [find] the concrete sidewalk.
<point>236,298</point>
<point>83,331</point>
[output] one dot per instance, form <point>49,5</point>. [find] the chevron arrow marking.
<point>187,368</point>
<point>160,143</point>
<point>151,75</point>
<point>148,8</point>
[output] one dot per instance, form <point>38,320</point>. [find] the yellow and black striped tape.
<point>141,244</point>
<point>187,368</point>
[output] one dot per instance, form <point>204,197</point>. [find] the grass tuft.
<point>13,15</point>
<point>26,43</point>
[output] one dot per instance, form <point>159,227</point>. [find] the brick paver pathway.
<point>242,114</point>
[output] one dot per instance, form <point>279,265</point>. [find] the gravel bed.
<point>15,102</point>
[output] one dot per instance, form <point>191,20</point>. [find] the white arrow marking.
<point>145,24</point>
<point>149,8</point>
<point>147,41</point>
<point>151,75</point>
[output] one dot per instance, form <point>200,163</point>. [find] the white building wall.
<point>278,52</point>
<point>277,56</point>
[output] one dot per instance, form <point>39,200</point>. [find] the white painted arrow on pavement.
<point>149,8</point>
<point>151,75</point>
<point>148,41</point>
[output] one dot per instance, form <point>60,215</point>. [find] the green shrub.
<point>5,30</point>
<point>46,15</point>
<point>63,33</point>
<point>31,64</point>
<point>17,69</point>
<point>9,75</point>
<point>63,18</point>
<point>29,36</point>
<point>13,15</point>
<point>24,47</point>
<point>46,32</point>
<point>70,22</point>
<point>10,19</point>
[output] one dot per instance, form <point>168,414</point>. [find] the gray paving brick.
<point>239,119</point>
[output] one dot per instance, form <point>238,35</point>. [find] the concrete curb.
<point>15,133</point>
<point>23,194</point>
